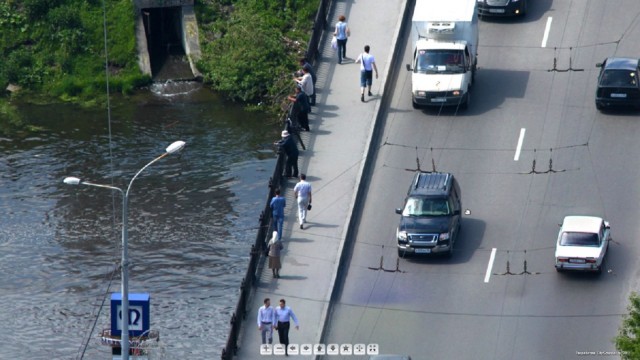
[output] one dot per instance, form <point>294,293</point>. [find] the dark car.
<point>618,83</point>
<point>430,217</point>
<point>502,7</point>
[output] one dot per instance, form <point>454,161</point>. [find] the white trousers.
<point>303,202</point>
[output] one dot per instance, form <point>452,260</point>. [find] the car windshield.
<point>440,61</point>
<point>418,206</point>
<point>627,78</point>
<point>579,239</point>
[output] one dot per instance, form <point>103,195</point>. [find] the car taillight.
<point>563,259</point>
<point>590,261</point>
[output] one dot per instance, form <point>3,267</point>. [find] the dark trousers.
<point>342,50</point>
<point>303,120</point>
<point>291,166</point>
<point>283,333</point>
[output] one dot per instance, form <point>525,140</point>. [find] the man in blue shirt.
<point>277,206</point>
<point>266,321</point>
<point>283,315</point>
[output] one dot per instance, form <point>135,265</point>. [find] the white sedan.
<point>582,243</point>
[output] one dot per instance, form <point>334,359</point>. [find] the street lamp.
<point>124,340</point>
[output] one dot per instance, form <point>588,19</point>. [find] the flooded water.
<point>192,220</point>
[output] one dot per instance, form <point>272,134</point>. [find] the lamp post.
<point>124,340</point>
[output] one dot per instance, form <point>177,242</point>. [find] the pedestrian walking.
<point>288,144</point>
<point>275,246</point>
<point>301,108</point>
<point>342,33</point>
<point>306,83</point>
<point>277,205</point>
<point>266,321</point>
<point>302,191</point>
<point>368,64</point>
<point>304,64</point>
<point>284,314</point>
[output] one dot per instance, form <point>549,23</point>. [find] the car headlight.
<point>480,1</point>
<point>402,235</point>
<point>421,93</point>
<point>444,236</point>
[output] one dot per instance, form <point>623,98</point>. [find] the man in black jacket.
<point>300,109</point>
<point>288,144</point>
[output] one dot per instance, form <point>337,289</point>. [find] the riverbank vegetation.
<point>54,49</point>
<point>251,47</point>
<point>628,339</point>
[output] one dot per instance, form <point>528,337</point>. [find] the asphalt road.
<point>573,160</point>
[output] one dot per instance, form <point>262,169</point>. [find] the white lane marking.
<point>519,147</point>
<point>490,266</point>
<point>546,32</point>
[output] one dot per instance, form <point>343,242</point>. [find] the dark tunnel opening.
<point>164,41</point>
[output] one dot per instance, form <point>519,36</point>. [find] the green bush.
<point>251,54</point>
<point>16,65</point>
<point>38,9</point>
<point>56,46</point>
<point>628,339</point>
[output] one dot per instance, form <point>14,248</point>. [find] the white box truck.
<point>445,34</point>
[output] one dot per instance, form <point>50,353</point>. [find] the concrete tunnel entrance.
<point>163,37</point>
<point>167,39</point>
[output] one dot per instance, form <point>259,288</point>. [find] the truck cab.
<point>444,58</point>
<point>442,75</point>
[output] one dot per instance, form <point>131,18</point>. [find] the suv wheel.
<point>449,253</point>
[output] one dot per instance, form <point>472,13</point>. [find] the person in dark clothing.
<point>300,109</point>
<point>304,63</point>
<point>288,144</point>
<point>284,315</point>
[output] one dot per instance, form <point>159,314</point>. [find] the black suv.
<point>430,218</point>
<point>502,7</point>
<point>618,83</point>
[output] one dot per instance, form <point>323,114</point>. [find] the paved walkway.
<point>341,129</point>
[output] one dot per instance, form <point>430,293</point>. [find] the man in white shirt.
<point>366,71</point>
<point>266,321</point>
<point>302,191</point>
<point>283,316</point>
<point>306,83</point>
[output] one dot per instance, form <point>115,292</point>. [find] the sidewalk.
<point>341,129</point>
